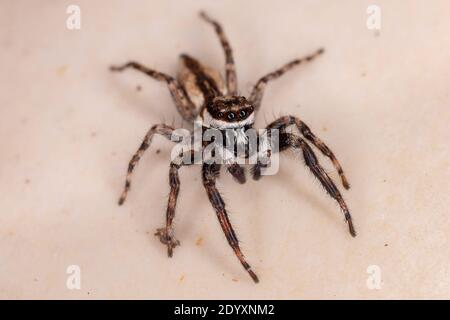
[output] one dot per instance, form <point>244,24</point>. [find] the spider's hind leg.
<point>182,102</point>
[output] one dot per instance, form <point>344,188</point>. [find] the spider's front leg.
<point>161,129</point>
<point>209,175</point>
<point>258,89</point>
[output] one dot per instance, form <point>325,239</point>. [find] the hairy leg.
<point>182,102</point>
<point>160,129</point>
<point>283,122</point>
<point>237,172</point>
<point>166,234</point>
<point>291,141</point>
<point>258,90</point>
<point>229,60</point>
<point>210,173</point>
<point>319,172</point>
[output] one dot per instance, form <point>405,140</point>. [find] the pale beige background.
<point>68,128</point>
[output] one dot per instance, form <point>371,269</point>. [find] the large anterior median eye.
<point>242,113</point>
<point>231,115</point>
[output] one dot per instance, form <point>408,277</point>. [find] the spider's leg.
<point>182,102</point>
<point>210,173</point>
<point>161,129</point>
<point>258,89</point>
<point>293,141</point>
<point>237,172</point>
<point>283,122</point>
<point>230,68</point>
<point>319,144</point>
<point>166,234</point>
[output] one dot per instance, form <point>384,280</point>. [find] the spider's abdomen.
<point>200,82</point>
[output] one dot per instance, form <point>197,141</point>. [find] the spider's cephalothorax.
<point>200,94</point>
<point>228,112</point>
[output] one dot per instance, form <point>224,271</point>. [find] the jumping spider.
<point>200,93</point>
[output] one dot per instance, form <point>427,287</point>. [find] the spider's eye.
<point>220,114</point>
<point>242,113</point>
<point>231,115</point>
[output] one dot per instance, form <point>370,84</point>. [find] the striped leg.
<point>313,164</point>
<point>210,173</point>
<point>319,144</point>
<point>230,68</point>
<point>237,172</point>
<point>166,234</point>
<point>182,102</point>
<point>283,122</point>
<point>258,89</point>
<point>161,129</point>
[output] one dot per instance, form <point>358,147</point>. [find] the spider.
<point>199,93</point>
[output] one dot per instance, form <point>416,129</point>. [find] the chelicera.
<point>200,94</point>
